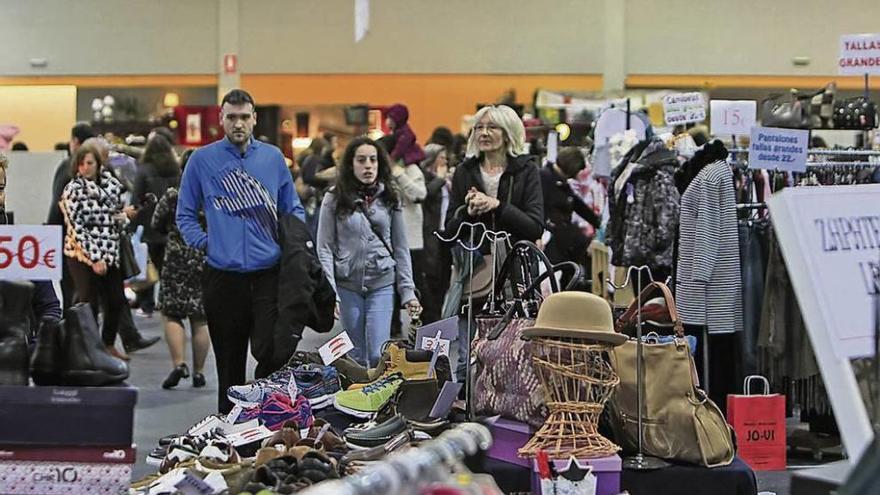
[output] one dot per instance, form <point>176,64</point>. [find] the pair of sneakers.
<point>316,382</point>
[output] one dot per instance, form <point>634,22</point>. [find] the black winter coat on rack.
<point>644,208</point>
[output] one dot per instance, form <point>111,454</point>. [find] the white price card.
<point>859,54</point>
<point>732,117</point>
<point>684,108</point>
<point>30,252</point>
<point>335,348</point>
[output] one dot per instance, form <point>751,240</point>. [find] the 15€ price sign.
<point>30,252</point>
<point>732,117</point>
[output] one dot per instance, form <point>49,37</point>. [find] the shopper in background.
<point>496,185</point>
<point>312,165</point>
<point>409,183</point>
<point>131,337</point>
<point>93,210</point>
<point>437,262</point>
<point>362,247</point>
<point>158,171</point>
<point>567,241</point>
<point>180,292</point>
<point>444,137</point>
<point>242,185</point>
<point>406,149</point>
<point>78,135</point>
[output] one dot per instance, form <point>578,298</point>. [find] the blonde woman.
<point>497,185</point>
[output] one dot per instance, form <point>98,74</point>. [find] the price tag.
<point>431,343</point>
<point>30,252</point>
<point>684,108</point>
<point>732,117</point>
<point>335,348</point>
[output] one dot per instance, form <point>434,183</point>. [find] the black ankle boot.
<point>15,307</point>
<point>48,358</point>
<point>132,340</point>
<point>87,361</point>
<point>138,343</point>
<point>179,371</point>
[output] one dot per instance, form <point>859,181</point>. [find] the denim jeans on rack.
<point>752,239</point>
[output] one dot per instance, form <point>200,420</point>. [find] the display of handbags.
<point>679,421</point>
<point>820,110</point>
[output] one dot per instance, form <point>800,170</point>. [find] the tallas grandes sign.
<point>859,54</point>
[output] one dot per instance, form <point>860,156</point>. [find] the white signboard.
<point>830,239</point>
<point>732,117</point>
<point>335,348</point>
<point>859,54</point>
<point>684,108</point>
<point>779,149</point>
<point>30,252</point>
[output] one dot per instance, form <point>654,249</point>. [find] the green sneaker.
<point>364,402</point>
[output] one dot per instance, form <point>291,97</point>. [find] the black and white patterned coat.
<point>708,281</point>
<point>89,208</point>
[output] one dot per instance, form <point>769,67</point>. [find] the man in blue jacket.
<point>243,186</point>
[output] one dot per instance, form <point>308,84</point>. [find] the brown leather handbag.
<point>679,421</point>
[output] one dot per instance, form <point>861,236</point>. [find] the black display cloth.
<point>735,479</point>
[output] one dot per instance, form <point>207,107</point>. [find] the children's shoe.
<point>365,402</point>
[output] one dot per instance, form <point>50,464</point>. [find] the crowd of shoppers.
<point>212,220</point>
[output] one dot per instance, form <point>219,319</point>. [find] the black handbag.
<point>855,113</point>
<point>127,261</point>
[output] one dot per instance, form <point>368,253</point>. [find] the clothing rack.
<point>402,471</point>
<point>751,206</point>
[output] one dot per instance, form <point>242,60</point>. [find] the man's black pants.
<point>240,308</point>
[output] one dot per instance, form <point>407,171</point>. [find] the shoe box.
<point>508,437</point>
<point>605,469</point>
<point>54,416</point>
<point>69,470</point>
<point>67,440</point>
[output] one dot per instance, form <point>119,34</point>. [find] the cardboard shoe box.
<point>67,470</point>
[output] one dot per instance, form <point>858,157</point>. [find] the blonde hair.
<point>507,119</point>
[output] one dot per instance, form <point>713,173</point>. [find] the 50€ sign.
<point>30,252</point>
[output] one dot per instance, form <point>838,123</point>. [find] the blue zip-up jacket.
<point>242,196</point>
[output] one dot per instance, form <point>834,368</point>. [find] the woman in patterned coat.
<point>93,212</point>
<point>180,292</point>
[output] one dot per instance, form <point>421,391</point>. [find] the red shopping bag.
<point>759,422</point>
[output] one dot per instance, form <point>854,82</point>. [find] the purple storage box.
<point>67,415</point>
<point>507,438</point>
<point>606,469</point>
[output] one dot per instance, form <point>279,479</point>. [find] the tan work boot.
<point>413,365</point>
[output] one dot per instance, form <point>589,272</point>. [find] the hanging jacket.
<point>521,213</point>
<point>708,278</point>
<point>644,208</point>
<point>305,296</point>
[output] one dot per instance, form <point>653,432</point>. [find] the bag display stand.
<point>471,247</point>
<point>640,461</point>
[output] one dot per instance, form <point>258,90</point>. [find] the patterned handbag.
<point>504,382</point>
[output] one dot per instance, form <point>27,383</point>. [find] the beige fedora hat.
<point>575,315</point>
